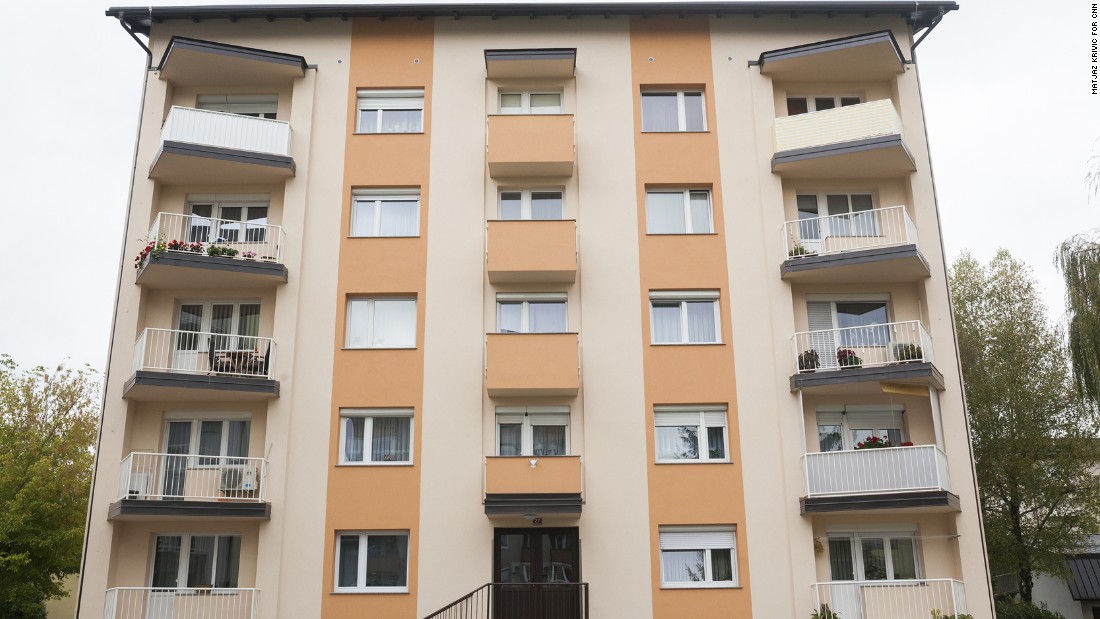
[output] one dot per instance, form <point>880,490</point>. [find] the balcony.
<point>533,485</point>
<point>205,147</point>
<point>892,599</point>
<point>192,365</point>
<point>179,253</point>
<point>870,246</point>
<point>526,145</point>
<point>884,478</point>
<point>162,485</point>
<point>179,603</point>
<point>861,141</point>
<point>532,364</point>
<point>896,351</point>
<point>526,251</point>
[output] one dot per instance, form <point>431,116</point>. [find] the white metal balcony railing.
<point>891,599</point>
<point>834,234</point>
<point>179,477</point>
<point>195,352</point>
<point>854,347</point>
<point>181,603</point>
<point>842,124</point>
<point>224,130</point>
<point>242,240</point>
<point>877,471</point>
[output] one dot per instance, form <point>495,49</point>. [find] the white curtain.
<point>546,205</point>
<point>510,318</point>
<point>545,103</point>
<point>666,323</point>
<point>401,121</point>
<point>677,442</point>
<point>700,315</point>
<point>354,428</point>
<point>394,323</point>
<point>683,565</point>
<point>546,317</point>
<point>399,217</point>
<point>390,440</point>
<point>659,112</point>
<point>362,218</point>
<point>548,440</point>
<point>700,212</point>
<point>511,205</point>
<point>665,213</point>
<point>693,111</point>
<point>511,439</point>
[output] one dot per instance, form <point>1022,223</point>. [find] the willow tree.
<point>1079,261</point>
<point>1034,445</point>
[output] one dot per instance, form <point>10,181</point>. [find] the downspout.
<point>114,316</point>
<point>130,31</point>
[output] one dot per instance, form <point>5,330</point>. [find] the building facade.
<point>634,310</point>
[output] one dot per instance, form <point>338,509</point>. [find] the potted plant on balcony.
<point>248,255</point>
<point>874,442</point>
<point>151,252</point>
<point>846,358</point>
<point>937,614</point>
<point>800,250</point>
<point>195,248</point>
<point>228,252</point>
<point>808,361</point>
<point>824,612</point>
<point>908,353</point>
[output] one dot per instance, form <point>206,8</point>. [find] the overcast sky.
<point>1006,85</point>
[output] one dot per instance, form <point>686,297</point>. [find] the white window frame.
<point>369,328</point>
<point>683,297</point>
<point>185,556</point>
<point>811,101</point>
<point>361,572</point>
<point>525,106</point>
<point>405,99</point>
<point>254,105</point>
<point>856,544</point>
<point>701,426</point>
<point>528,417</point>
<point>681,110</point>
<point>218,203</point>
<point>524,300</point>
<point>686,210</point>
<point>702,531</point>
<point>379,197</point>
<point>370,414</point>
<point>196,436</point>
<point>525,203</point>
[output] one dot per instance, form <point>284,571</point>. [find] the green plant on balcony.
<point>846,358</point>
<point>195,248</point>
<point>936,614</point>
<point>908,352</point>
<point>152,251</point>
<point>808,361</point>
<point>825,613</point>
<point>800,250</point>
<point>227,252</point>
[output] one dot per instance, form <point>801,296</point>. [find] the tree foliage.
<point>1034,439</point>
<point>47,431</point>
<point>1079,261</point>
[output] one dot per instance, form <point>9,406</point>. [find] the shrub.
<point>825,613</point>
<point>1015,609</point>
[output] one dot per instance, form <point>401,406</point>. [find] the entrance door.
<point>175,469</point>
<point>537,570</point>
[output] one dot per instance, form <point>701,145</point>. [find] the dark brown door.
<point>538,571</point>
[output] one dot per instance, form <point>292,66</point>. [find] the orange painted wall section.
<point>395,54</point>
<point>676,55</point>
<point>551,474</point>
<point>532,251</point>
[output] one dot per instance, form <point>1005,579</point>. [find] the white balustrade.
<point>842,124</point>
<point>194,234</point>
<point>196,352</point>
<point>891,599</point>
<point>181,603</point>
<point>854,347</point>
<point>881,470</point>
<point>834,234</point>
<point>180,477</point>
<point>223,130</point>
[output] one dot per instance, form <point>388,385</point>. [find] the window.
<point>698,557</point>
<point>214,438</point>
<point>678,212</point>
<point>532,430</point>
<point>838,431</point>
<point>531,313</point>
<point>530,204</point>
<point>847,324</point>
<point>679,430</point>
<point>372,562</point>
<point>818,103</point>
<point>376,436</point>
<point>849,214</point>
<point>873,556</point>
<point>227,220</point>
<point>684,317</point>
<point>391,111</point>
<point>235,326</point>
<point>256,106</point>
<point>680,110</point>
<point>385,213</point>
<point>381,323</point>
<point>528,102</point>
<point>183,561</point>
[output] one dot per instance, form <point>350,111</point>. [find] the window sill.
<point>403,236</point>
<point>700,585</point>
<point>391,133</point>
<point>371,590</point>
<point>379,348</point>
<point>383,464</point>
<point>674,132</point>
<point>693,462</point>
<point>681,234</point>
<point>685,343</point>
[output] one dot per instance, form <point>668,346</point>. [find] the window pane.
<point>829,438</point>
<point>693,111</point>
<point>248,326</point>
<point>546,103</point>
<point>200,223</point>
<point>354,428</point>
<point>510,439</point>
<point>229,561</point>
<point>546,205</point>
<point>721,565</point>
<point>683,565</point>
<point>893,435</point>
<point>349,561</point>
<point>511,205</point>
<point>546,317</point>
<point>846,101</point>
<point>840,559</point>
<point>394,323</point>
<point>548,440</point>
<point>237,441</point>
<point>357,323</point>
<point>386,560</point>
<point>659,112</point>
<point>809,227</point>
<point>511,102</point>
<point>874,559</point>
<point>904,558</point>
<point>200,562</point>
<point>166,561</point>
<point>860,314</point>
<point>824,103</point>
<point>210,442</point>
<point>665,213</point>
<point>677,442</point>
<point>399,218</point>
<point>228,229</point>
<point>700,316</point>
<point>255,232</point>
<point>796,105</point>
<point>510,317</point>
<point>716,443</point>
<point>700,212</point>
<point>362,218</point>
<point>666,323</point>
<point>390,442</point>
<point>368,121</point>
<point>401,121</point>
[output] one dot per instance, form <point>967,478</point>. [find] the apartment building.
<point>533,311</point>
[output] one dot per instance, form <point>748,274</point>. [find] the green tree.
<point>47,431</point>
<point>1079,261</point>
<point>1034,439</point>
